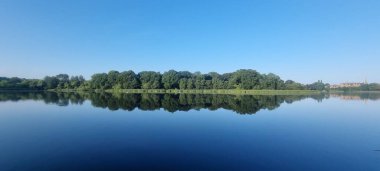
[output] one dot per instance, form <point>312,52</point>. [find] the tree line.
<point>246,79</point>
<point>61,81</point>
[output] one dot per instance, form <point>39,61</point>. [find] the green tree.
<point>200,81</point>
<point>319,85</point>
<point>128,80</point>
<point>216,80</point>
<point>100,81</point>
<point>185,74</point>
<point>190,84</point>
<point>170,79</point>
<point>63,80</point>
<point>271,81</point>
<point>76,82</point>
<point>292,85</point>
<point>245,79</point>
<point>183,83</point>
<point>150,79</point>
<point>51,82</point>
<point>374,87</point>
<point>112,78</point>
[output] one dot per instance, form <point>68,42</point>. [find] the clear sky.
<point>304,40</point>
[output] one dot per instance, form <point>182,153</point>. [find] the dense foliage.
<point>61,81</point>
<point>241,79</point>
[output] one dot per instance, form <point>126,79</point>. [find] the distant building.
<point>347,85</point>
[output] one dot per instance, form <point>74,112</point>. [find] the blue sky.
<point>333,41</point>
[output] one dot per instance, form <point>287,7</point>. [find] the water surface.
<point>100,131</point>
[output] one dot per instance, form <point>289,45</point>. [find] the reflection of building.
<point>350,97</point>
<point>347,85</point>
<point>347,97</point>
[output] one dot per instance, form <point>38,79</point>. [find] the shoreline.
<point>204,91</point>
<point>196,91</point>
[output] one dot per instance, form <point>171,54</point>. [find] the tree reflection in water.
<point>241,104</point>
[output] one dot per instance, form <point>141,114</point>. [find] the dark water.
<point>99,131</point>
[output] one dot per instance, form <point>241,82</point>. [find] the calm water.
<point>67,131</point>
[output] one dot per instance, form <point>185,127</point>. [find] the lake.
<point>45,131</point>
